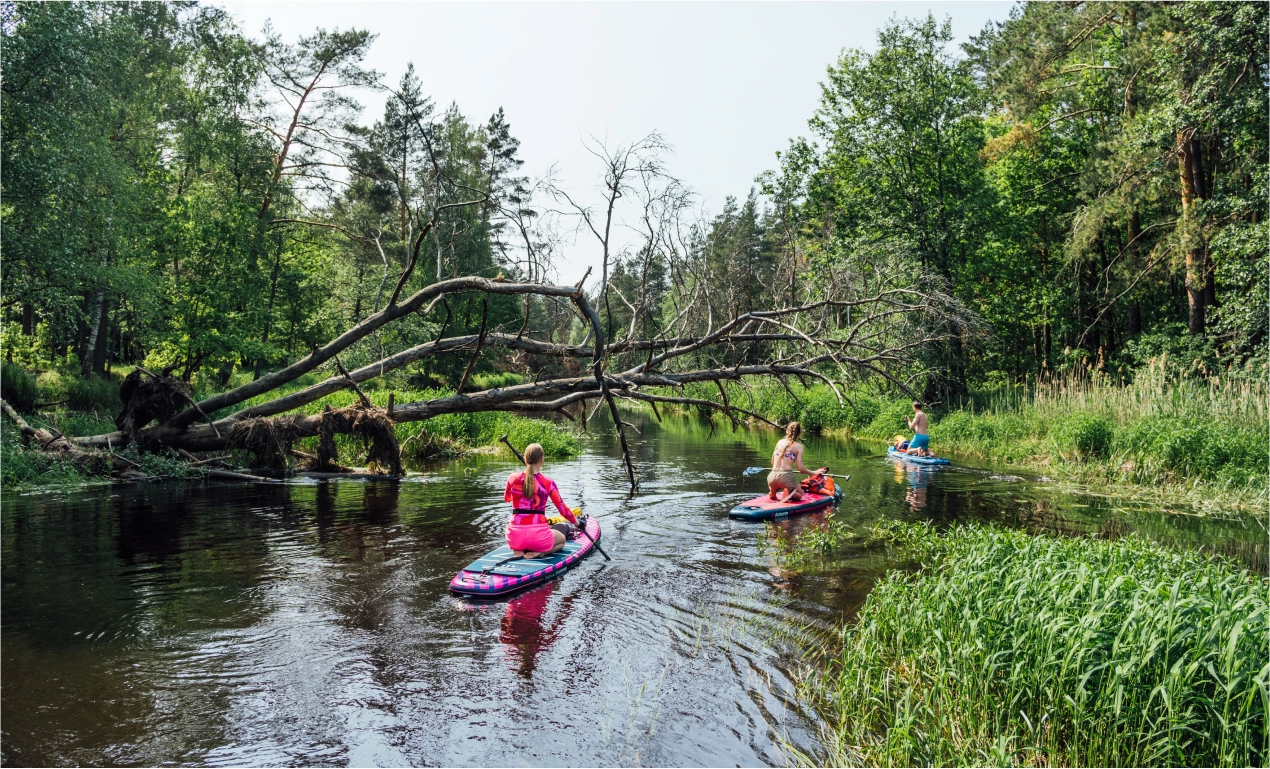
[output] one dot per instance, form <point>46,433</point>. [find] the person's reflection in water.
<point>523,632</point>
<point>918,478</point>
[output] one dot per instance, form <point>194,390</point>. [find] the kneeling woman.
<point>788,455</point>
<point>528,533</point>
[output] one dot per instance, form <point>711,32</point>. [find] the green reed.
<point>1015,649</point>
<point>1203,439</point>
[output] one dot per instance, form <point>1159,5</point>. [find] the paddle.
<point>581,528</point>
<point>747,472</point>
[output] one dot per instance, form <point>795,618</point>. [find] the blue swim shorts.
<point>919,442</point>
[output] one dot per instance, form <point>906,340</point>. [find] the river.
<point>309,623</point>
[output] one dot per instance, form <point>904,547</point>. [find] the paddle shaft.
<point>582,528</point>
<point>757,470</point>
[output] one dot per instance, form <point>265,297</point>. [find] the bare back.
<point>787,456</point>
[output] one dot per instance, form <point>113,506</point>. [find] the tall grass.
<point>1159,429</point>
<point>1013,649</point>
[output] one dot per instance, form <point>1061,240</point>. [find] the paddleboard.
<point>486,577</point>
<point>914,458</point>
<point>761,508</point>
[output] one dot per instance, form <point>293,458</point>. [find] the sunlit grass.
<point>1008,648</point>
<point>1203,439</point>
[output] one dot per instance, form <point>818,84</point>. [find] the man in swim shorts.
<point>920,425</point>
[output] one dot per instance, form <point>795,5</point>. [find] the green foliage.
<point>20,467</point>
<point>1009,648</point>
<point>491,381</point>
<point>17,387</point>
<point>94,393</point>
<point>892,419</point>
<point>1082,436</point>
<point>53,386</point>
<point>81,423</point>
<point>486,427</point>
<point>1159,447</point>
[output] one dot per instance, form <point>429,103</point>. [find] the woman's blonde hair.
<point>792,431</point>
<point>533,455</point>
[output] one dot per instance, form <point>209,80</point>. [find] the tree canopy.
<point>1085,182</point>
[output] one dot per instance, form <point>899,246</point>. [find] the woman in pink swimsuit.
<point>528,534</point>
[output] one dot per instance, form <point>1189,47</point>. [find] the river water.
<point>310,623</point>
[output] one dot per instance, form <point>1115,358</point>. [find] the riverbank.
<point>1161,437</point>
<point>1017,649</point>
<point>448,436</point>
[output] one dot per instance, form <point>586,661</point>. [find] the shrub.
<point>1194,447</point>
<point>821,411</point>
<point>53,386</point>
<point>891,418</point>
<point>1082,435</point>
<point>17,387</point>
<point>94,392</point>
<point>863,410</point>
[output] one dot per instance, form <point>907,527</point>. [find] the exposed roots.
<point>147,397</point>
<point>269,439</point>
<point>377,431</point>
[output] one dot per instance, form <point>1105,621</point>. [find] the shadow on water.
<point>309,623</point>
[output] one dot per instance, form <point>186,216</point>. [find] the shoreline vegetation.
<point>1009,648</point>
<point>1163,436</point>
<point>87,406</point>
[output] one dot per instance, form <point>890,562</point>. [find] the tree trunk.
<point>28,319</point>
<point>1133,325</point>
<point>1210,282</point>
<point>103,340</point>
<point>96,314</point>
<point>1192,178</point>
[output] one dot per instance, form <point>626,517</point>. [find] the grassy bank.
<point>1007,648</point>
<point>1203,438</point>
<point>89,406</point>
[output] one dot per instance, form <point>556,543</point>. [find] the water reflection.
<point>524,630</point>
<point>918,478</point>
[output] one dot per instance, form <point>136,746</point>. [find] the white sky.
<point>727,84</point>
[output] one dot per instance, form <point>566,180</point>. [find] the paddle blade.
<point>753,471</point>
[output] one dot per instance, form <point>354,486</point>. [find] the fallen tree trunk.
<point>887,327</point>
<point>64,448</point>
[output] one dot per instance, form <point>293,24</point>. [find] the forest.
<point>1077,190</point>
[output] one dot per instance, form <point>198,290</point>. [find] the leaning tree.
<point>866,322</point>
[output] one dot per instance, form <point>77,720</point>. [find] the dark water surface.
<point>309,623</point>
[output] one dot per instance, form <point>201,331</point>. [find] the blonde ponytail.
<point>529,488</point>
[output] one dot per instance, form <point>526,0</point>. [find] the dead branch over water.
<point>842,335</point>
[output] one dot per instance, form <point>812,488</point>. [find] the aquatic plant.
<point>1018,649</point>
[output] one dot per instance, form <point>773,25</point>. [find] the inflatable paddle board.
<point>498,573</point>
<point>891,452</point>
<point>761,508</point>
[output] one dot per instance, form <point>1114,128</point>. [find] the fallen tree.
<point>884,329</point>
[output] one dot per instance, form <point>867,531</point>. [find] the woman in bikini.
<point>787,456</point>
<point>528,533</point>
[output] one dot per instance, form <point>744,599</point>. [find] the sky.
<point>726,84</point>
